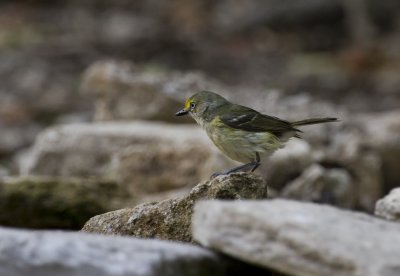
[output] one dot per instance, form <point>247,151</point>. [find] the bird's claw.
<point>214,175</point>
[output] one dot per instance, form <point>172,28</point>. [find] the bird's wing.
<point>244,118</point>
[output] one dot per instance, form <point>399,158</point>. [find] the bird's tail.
<point>314,121</point>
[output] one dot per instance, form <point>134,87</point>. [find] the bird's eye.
<point>192,105</point>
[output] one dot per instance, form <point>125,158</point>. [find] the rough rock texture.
<point>146,157</point>
<point>349,150</point>
<point>299,238</point>
<point>125,92</point>
<point>287,163</point>
<point>363,150</point>
<point>317,184</point>
<point>383,134</point>
<point>389,206</point>
<point>342,152</point>
<point>170,219</point>
<point>57,203</point>
<point>39,253</point>
<point>368,146</point>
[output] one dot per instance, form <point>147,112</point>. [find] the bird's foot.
<point>245,168</point>
<point>214,175</point>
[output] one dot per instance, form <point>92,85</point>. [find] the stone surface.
<point>287,163</point>
<point>234,18</point>
<point>341,148</point>
<point>382,132</point>
<point>125,92</point>
<point>146,157</point>
<point>57,203</point>
<point>317,184</point>
<point>299,238</point>
<point>364,147</point>
<point>348,149</point>
<point>39,253</point>
<point>367,146</point>
<point>170,219</point>
<point>4,172</point>
<point>389,206</point>
<point>16,136</point>
<point>257,42</point>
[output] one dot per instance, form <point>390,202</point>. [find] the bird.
<point>242,133</point>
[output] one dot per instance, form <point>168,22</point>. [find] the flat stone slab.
<point>299,238</point>
<point>38,253</point>
<point>146,157</point>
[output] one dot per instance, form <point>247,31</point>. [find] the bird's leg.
<point>256,162</point>
<point>253,164</point>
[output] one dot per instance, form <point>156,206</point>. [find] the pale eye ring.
<point>192,105</point>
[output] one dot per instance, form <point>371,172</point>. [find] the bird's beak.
<point>181,112</point>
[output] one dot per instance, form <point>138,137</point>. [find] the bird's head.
<point>202,106</point>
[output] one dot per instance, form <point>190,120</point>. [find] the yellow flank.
<point>241,145</point>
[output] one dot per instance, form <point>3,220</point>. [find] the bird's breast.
<point>241,145</point>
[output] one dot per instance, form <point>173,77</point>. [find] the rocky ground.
<point>299,238</point>
<point>238,235</point>
<point>132,173</point>
<point>341,52</point>
<point>89,140</point>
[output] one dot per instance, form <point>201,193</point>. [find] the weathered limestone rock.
<point>368,146</point>
<point>57,203</point>
<point>146,157</point>
<point>286,163</point>
<point>389,206</point>
<point>39,253</point>
<point>125,92</point>
<point>170,219</point>
<point>299,238</point>
<point>317,184</point>
<point>348,150</point>
<point>383,134</point>
<point>348,175</point>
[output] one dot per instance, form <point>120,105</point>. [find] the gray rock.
<point>146,157</point>
<point>317,184</point>
<point>120,28</point>
<point>16,136</point>
<point>62,253</point>
<point>234,18</point>
<point>124,92</point>
<point>4,172</point>
<point>30,75</point>
<point>364,149</point>
<point>348,149</point>
<point>170,219</point>
<point>389,206</point>
<point>368,146</point>
<point>299,238</point>
<point>382,133</point>
<point>53,203</point>
<point>286,163</point>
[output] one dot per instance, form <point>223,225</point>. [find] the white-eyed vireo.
<point>242,133</point>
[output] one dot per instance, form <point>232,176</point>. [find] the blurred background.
<point>88,90</point>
